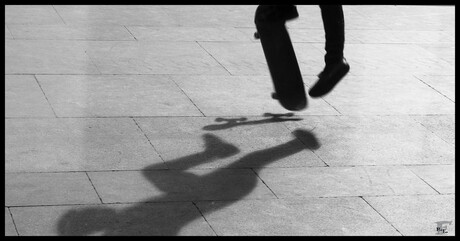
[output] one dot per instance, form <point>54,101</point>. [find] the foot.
<point>330,76</point>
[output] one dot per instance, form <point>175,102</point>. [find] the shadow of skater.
<point>233,122</point>
<point>160,216</point>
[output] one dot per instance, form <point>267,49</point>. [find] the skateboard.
<point>280,56</point>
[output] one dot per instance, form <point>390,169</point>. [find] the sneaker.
<point>328,78</point>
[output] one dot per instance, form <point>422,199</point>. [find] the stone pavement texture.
<point>157,120</point>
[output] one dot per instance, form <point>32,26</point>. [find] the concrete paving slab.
<point>70,32</point>
<point>441,125</point>
<point>438,22</point>
<point>401,10</point>
<point>212,15</point>
<point>445,53</point>
<point>356,21</point>
<point>441,50</point>
<point>399,36</point>
<point>153,219</point>
<point>151,15</point>
<point>250,95</point>
<point>310,18</point>
<point>342,181</point>
<point>417,215</point>
<point>47,57</point>
<point>381,95</point>
<point>307,217</point>
<point>177,34</point>
<point>179,185</point>
<point>47,145</point>
<point>451,61</point>
<point>375,140</point>
<point>115,95</point>
<point>10,229</point>
<point>230,142</point>
<point>146,57</point>
<point>32,14</point>
<point>240,58</point>
<point>29,189</point>
<point>403,59</point>
<point>409,17</point>
<point>440,177</point>
<point>24,97</point>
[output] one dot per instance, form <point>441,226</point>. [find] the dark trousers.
<point>333,22</point>
<point>334,28</point>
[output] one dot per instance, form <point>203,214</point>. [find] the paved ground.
<point>157,120</point>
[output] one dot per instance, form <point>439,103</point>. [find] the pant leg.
<point>334,28</point>
<point>274,13</point>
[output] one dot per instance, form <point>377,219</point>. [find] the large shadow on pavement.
<point>172,212</point>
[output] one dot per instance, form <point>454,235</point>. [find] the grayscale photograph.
<point>229,120</point>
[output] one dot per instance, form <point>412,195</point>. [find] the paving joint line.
<point>57,205</point>
<point>72,40</point>
<point>59,15</point>
<point>325,163</point>
<point>424,181</point>
<point>252,169</point>
<point>214,58</point>
<point>381,215</point>
<point>202,215</point>
<point>428,129</point>
<point>215,200</point>
<point>332,106</point>
<point>9,31</point>
<point>183,92</point>
<point>433,88</point>
<point>94,188</point>
<point>215,116</point>
<point>233,168</point>
<point>14,223</point>
<point>92,61</point>
<point>151,144</point>
<point>39,85</point>
<point>130,32</point>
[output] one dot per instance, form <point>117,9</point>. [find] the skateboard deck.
<point>282,62</point>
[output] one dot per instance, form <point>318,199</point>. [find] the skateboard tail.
<point>294,106</point>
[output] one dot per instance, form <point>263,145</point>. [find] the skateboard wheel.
<point>256,35</point>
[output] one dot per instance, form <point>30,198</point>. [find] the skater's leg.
<point>334,29</point>
<point>336,66</point>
